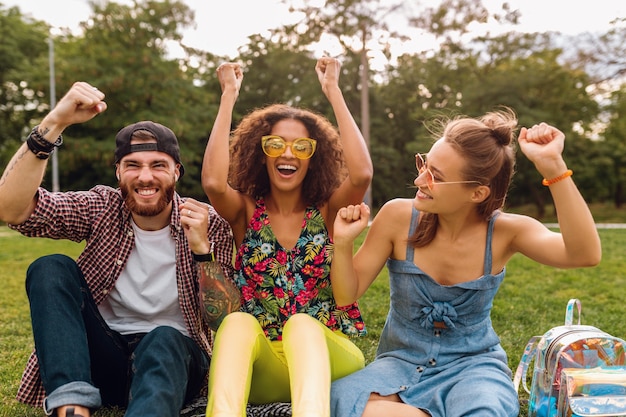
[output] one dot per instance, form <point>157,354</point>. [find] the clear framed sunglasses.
<point>274,146</point>
<point>420,164</point>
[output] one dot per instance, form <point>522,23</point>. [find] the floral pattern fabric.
<point>277,283</point>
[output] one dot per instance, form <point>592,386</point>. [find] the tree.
<point>123,50</point>
<point>353,24</point>
<point>278,70</point>
<point>603,55</point>
<point>516,70</point>
<point>23,48</point>
<point>613,171</point>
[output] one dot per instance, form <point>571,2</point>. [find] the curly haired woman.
<point>280,185</point>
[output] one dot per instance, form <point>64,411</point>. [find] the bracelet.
<point>40,151</point>
<point>564,175</point>
<point>208,257</point>
<point>40,146</point>
<point>42,141</point>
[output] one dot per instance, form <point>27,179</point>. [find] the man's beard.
<point>128,194</point>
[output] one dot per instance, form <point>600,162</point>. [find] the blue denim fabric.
<point>438,350</point>
<point>84,362</point>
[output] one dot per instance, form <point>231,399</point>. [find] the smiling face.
<point>448,188</point>
<point>286,172</point>
<point>147,181</point>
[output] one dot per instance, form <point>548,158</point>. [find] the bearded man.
<point>129,322</point>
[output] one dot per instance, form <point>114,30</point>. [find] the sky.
<point>224,26</point>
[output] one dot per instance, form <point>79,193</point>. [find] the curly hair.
<point>248,173</point>
<point>486,144</point>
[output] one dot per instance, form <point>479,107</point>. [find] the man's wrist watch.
<point>207,257</point>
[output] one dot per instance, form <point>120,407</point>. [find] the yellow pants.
<point>247,367</point>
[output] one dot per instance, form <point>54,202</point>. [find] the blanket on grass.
<point>198,409</point>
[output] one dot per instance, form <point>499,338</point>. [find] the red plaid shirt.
<point>101,219</point>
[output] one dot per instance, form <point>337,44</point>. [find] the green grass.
<point>602,212</point>
<point>532,299</point>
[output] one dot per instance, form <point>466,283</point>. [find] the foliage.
<point>603,54</point>
<point>277,71</point>
<point>352,24</point>
<point>22,45</point>
<point>125,50</point>
<point>613,151</point>
<point>124,53</point>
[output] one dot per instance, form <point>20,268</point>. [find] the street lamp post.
<point>55,160</point>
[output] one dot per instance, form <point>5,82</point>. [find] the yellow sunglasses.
<point>274,146</point>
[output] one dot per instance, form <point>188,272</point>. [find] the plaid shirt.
<point>101,219</point>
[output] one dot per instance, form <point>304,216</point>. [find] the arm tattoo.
<point>218,295</point>
<point>19,155</point>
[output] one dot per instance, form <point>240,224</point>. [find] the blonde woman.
<point>446,251</point>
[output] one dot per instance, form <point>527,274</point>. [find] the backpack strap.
<point>524,363</point>
<point>531,347</point>
<point>569,311</point>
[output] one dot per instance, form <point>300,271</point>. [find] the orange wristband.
<point>564,175</point>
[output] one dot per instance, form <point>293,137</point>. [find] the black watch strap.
<point>207,257</point>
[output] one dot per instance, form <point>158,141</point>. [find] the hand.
<point>543,145</point>
<point>350,222</point>
<point>328,70</point>
<point>230,76</point>
<point>194,217</point>
<point>80,104</point>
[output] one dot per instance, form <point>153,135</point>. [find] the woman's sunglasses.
<point>420,164</point>
<point>274,146</point>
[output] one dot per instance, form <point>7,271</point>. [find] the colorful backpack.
<point>559,356</point>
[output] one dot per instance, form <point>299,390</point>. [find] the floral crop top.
<point>276,283</point>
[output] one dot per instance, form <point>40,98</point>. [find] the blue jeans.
<point>84,362</point>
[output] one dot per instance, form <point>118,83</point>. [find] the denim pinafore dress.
<point>438,350</point>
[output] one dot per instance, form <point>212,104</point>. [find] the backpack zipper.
<point>587,332</point>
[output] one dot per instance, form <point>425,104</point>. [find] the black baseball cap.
<point>166,141</point>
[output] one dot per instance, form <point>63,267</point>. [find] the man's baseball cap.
<point>166,141</point>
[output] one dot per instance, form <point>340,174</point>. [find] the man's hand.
<point>23,174</point>
<point>194,217</point>
<point>80,104</point>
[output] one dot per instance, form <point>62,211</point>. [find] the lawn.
<point>531,300</point>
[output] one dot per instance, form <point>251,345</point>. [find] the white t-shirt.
<point>146,294</point>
